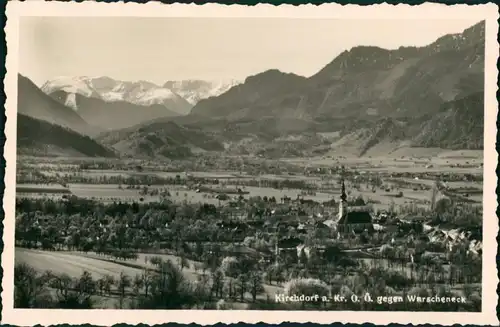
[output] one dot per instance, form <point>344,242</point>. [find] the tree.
<point>217,282</point>
<point>28,286</point>
<point>275,272</point>
<point>442,205</point>
<point>202,287</point>
<point>108,281</point>
<point>333,254</point>
<point>359,201</point>
<point>183,262</point>
<point>230,286</point>
<point>387,251</point>
<point>242,284</point>
<point>73,293</point>
<point>255,284</point>
<point>156,261</point>
<point>138,283</point>
<point>230,266</point>
<point>303,257</point>
<point>123,283</point>
<point>147,280</point>
<point>86,286</point>
<point>62,284</point>
<point>307,287</point>
<point>169,290</point>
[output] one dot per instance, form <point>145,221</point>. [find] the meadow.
<point>74,264</point>
<point>401,186</point>
<point>411,189</point>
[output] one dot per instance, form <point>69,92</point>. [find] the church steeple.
<point>343,198</point>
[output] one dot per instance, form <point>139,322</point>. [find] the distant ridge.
<point>248,98</point>
<point>376,99</point>
<point>40,137</point>
<point>34,103</point>
<point>113,115</point>
<point>366,101</point>
<point>160,139</point>
<point>364,82</point>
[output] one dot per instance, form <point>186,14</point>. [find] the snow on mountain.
<point>69,84</point>
<point>195,90</point>
<point>71,101</point>
<point>112,96</point>
<point>141,93</point>
<point>157,96</point>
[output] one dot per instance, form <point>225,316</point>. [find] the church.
<point>351,221</point>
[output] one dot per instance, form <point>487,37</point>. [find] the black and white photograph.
<point>252,163</point>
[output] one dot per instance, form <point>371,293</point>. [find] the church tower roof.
<point>343,195</point>
<point>343,201</point>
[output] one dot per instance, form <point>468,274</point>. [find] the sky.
<point>161,49</point>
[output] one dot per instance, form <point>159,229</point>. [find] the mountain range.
<point>112,104</point>
<point>366,101</point>
<point>166,139</point>
<point>33,102</point>
<point>195,90</point>
<point>39,137</point>
<point>364,82</point>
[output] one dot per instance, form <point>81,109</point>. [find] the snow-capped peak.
<point>79,85</point>
<point>179,96</point>
<point>142,93</point>
<point>196,90</point>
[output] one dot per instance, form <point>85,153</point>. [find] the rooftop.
<point>356,217</point>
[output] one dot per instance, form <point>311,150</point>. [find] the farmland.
<point>74,264</point>
<point>416,178</point>
<point>70,263</point>
<point>227,229</point>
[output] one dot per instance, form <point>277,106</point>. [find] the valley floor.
<point>74,263</point>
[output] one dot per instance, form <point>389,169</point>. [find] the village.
<point>303,226</point>
<point>433,243</point>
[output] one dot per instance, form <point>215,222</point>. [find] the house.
<point>308,202</point>
<point>324,252</point>
<point>234,213</point>
<point>235,228</point>
<point>329,204</point>
<point>356,221</point>
<point>286,248</point>
<point>330,223</point>
<point>306,249</point>
<point>310,250</point>
<point>320,225</point>
<point>255,223</point>
<point>437,236</point>
<point>286,199</point>
<point>476,247</point>
<point>302,228</point>
<point>241,251</point>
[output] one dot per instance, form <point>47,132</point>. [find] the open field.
<point>89,173</point>
<point>111,192</point>
<point>411,160</point>
<point>71,264</point>
<point>41,188</point>
<point>444,161</point>
<point>103,191</point>
<point>75,263</point>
